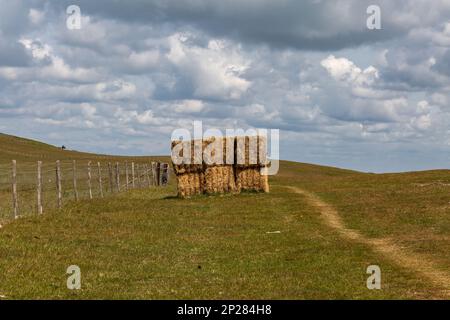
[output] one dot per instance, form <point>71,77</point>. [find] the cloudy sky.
<point>341,94</point>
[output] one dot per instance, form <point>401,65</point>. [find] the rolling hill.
<point>26,150</point>
<point>312,237</point>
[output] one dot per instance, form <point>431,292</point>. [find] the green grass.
<point>412,208</point>
<point>148,244</point>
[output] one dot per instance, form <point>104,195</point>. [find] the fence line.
<point>49,184</point>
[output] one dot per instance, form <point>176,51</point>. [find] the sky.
<point>341,94</point>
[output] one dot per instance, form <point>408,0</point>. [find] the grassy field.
<point>149,244</point>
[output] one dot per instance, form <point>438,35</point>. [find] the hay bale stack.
<point>236,168</point>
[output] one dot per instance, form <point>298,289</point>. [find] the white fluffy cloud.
<point>214,70</point>
<point>372,102</point>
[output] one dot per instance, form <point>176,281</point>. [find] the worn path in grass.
<point>385,246</point>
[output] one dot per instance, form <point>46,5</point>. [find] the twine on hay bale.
<point>234,168</point>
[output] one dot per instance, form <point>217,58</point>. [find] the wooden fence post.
<point>126,176</point>
<point>158,173</point>
<point>141,175</point>
<point>111,182</point>
<point>89,179</point>
<point>150,171</point>
<point>117,177</point>
<point>147,176</point>
<point>154,173</point>
<point>39,188</point>
<point>138,175</point>
<point>165,174</point>
<point>74,170</point>
<point>100,179</point>
<point>58,183</point>
<point>132,175</point>
<point>14,190</point>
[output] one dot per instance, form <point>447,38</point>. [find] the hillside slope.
<point>26,150</point>
<point>12,147</point>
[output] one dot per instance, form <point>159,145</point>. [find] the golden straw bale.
<point>250,179</point>
<point>244,178</point>
<point>264,183</point>
<point>199,176</point>
<point>247,150</point>
<point>181,178</point>
<point>222,179</point>
<point>209,180</point>
<point>209,173</point>
<point>226,178</point>
<point>238,181</point>
<point>229,150</point>
<point>262,151</point>
<point>212,175</point>
<point>196,183</point>
<point>241,179</point>
<point>191,162</point>
<point>256,179</point>
<point>230,164</point>
<point>219,179</point>
<point>218,151</point>
<point>189,184</point>
<point>253,179</point>
<point>230,181</point>
<point>212,147</point>
<point>247,183</point>
<point>240,151</point>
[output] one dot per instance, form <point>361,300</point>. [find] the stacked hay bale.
<point>190,175</point>
<point>218,168</point>
<point>238,167</point>
<point>250,160</point>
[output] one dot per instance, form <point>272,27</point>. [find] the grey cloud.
<point>314,25</point>
<point>13,54</point>
<point>443,65</point>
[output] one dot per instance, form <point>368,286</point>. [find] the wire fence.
<point>28,188</point>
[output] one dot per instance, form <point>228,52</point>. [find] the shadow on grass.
<point>214,195</point>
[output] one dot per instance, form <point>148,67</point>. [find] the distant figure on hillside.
<point>63,147</point>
